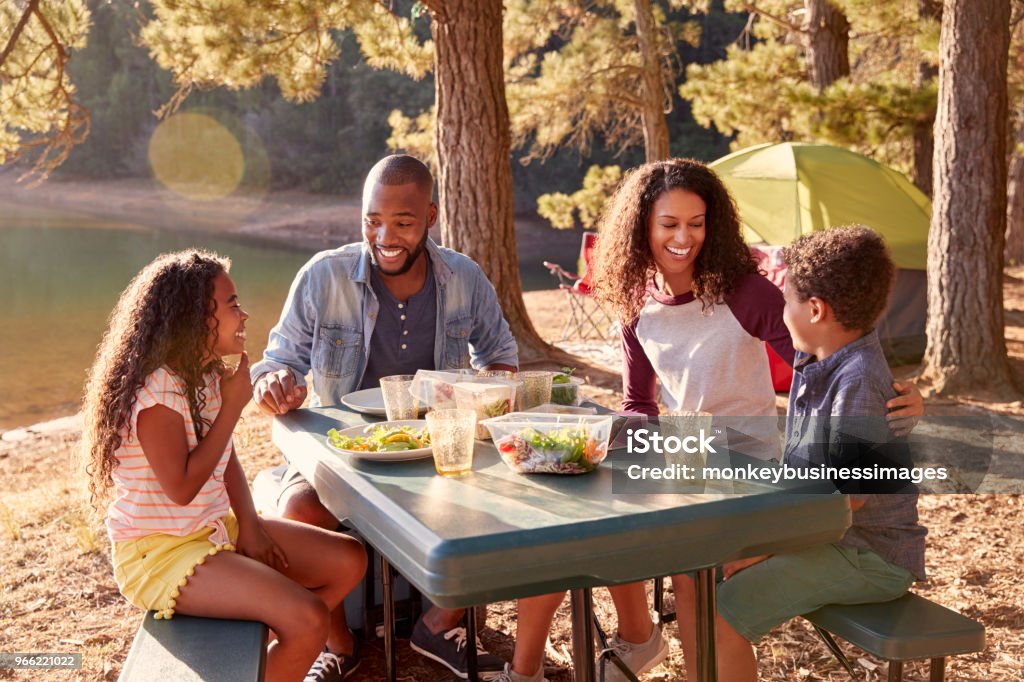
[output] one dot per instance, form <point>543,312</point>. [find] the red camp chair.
<point>587,319</point>
<point>769,259</point>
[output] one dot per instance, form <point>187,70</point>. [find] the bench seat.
<point>905,629</point>
<point>187,649</point>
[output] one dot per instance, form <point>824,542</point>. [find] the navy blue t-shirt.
<point>403,336</point>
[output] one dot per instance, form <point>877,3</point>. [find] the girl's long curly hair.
<point>162,318</point>
<point>625,264</point>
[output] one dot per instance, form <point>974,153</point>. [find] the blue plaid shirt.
<point>836,406</point>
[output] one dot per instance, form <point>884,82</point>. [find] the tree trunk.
<point>474,157</point>
<point>655,127</point>
<point>966,352</point>
<point>923,131</point>
<point>826,44</point>
<point>1015,196</point>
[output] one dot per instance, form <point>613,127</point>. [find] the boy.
<point>836,289</point>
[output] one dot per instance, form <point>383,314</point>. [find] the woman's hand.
<point>733,567</point>
<point>235,387</point>
<point>904,409</point>
<point>255,543</point>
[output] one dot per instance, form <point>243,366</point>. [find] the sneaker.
<point>509,675</point>
<point>449,649</point>
<point>638,657</point>
<point>331,667</point>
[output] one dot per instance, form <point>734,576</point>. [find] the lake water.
<point>59,282</point>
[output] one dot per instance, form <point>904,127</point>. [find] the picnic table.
<point>496,535</point>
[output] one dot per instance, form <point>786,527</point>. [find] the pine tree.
<point>236,43</point>
<point>966,351</point>
<point>789,78</point>
<point>40,116</point>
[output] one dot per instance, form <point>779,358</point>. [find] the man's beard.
<point>410,259</point>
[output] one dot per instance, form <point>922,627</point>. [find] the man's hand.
<point>904,409</point>
<point>733,567</point>
<point>277,393</point>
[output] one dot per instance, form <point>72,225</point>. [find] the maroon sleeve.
<point>757,304</point>
<point>639,382</point>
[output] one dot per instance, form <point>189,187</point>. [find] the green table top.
<point>495,535</point>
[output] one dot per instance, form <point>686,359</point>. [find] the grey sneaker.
<point>509,675</point>
<point>449,649</point>
<point>638,657</point>
<point>331,667</point>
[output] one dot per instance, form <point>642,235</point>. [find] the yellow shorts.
<point>151,571</point>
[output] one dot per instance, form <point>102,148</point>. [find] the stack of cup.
<point>536,388</point>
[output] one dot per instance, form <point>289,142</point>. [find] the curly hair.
<point>847,267</point>
<point>162,318</point>
<point>625,263</point>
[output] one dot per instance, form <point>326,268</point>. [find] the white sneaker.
<point>638,657</point>
<point>509,675</point>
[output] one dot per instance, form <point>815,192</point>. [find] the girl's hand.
<point>904,409</point>
<point>235,387</point>
<point>255,543</point>
<point>733,567</point>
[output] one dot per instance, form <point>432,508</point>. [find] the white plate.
<point>399,456</point>
<point>368,401</point>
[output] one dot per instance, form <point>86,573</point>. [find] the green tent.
<point>792,188</point>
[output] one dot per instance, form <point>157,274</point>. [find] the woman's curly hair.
<point>625,263</point>
<point>162,318</point>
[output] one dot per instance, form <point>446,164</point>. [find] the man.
<point>392,304</point>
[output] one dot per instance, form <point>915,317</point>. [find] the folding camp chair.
<point>587,318</point>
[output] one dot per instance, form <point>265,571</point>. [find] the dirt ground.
<point>57,591</point>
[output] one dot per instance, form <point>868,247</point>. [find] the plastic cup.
<point>399,402</point>
<point>536,388</point>
<point>685,427</point>
<point>451,439</point>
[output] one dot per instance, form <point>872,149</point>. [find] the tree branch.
<point>789,26</point>
<point>30,9</point>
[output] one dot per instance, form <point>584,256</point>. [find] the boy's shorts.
<point>784,586</point>
<point>151,571</point>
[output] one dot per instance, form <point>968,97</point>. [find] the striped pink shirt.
<point>140,507</point>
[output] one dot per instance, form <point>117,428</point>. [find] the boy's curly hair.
<point>162,318</point>
<point>625,264</point>
<point>847,267</point>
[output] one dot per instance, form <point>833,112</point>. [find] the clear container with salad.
<point>565,388</point>
<point>532,443</point>
<point>491,397</point>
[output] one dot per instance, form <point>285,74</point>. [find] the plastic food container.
<point>436,389</point>
<point>567,393</point>
<point>487,398</point>
<point>535,443</point>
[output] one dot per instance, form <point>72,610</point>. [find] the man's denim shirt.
<point>328,320</point>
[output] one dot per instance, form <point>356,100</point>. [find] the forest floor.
<point>57,591</point>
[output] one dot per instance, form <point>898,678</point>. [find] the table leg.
<point>389,620</point>
<point>369,596</point>
<point>471,671</point>
<point>707,661</point>
<point>583,635</point>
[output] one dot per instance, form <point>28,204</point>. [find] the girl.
<point>695,316</point>
<point>160,407</point>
